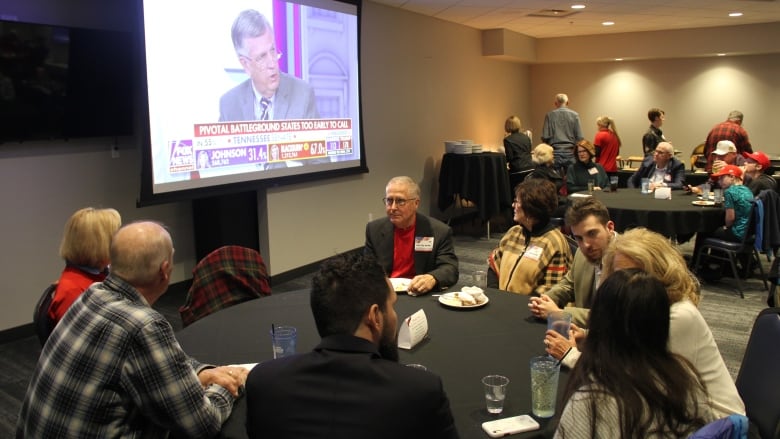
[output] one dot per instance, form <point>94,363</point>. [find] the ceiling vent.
<point>554,13</point>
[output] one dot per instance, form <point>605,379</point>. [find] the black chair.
<point>43,324</point>
<point>758,381</point>
<point>728,251</point>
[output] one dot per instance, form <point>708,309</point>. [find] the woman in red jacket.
<point>607,144</point>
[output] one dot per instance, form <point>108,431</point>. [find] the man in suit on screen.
<point>269,93</point>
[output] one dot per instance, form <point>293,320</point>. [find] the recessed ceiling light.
<point>735,14</point>
<point>618,59</point>
<point>721,54</point>
<point>578,6</point>
<point>608,23</point>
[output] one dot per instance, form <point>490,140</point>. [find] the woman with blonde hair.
<point>607,143</point>
<point>689,334</point>
<point>85,249</point>
<point>544,158</point>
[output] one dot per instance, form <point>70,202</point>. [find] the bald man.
<point>113,368</point>
<point>662,168</point>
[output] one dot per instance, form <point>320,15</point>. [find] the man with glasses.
<point>411,245</point>
<point>662,168</point>
<point>268,94</point>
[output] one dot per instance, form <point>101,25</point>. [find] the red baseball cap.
<point>728,170</point>
<point>759,157</point>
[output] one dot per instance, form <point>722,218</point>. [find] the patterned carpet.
<point>730,318</point>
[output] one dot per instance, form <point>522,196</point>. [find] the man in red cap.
<point>736,200</point>
<point>757,167</point>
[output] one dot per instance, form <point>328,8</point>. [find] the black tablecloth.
<point>480,178</point>
<point>630,208</point>
<point>463,346</point>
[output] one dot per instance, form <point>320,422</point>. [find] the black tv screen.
<point>58,82</point>
<point>248,92</point>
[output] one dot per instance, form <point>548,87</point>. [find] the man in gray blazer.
<point>268,94</point>
<point>411,245</point>
<point>593,230</point>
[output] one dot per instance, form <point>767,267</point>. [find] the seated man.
<point>757,178</point>
<point>351,385</point>
<point>112,366</point>
<point>593,230</point>
<point>411,245</point>
<point>662,168</point>
<point>725,153</point>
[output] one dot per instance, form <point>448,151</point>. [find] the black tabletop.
<point>630,208</point>
<point>692,178</point>
<point>462,347</point>
<point>480,178</point>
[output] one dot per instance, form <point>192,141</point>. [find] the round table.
<point>462,347</point>
<point>630,208</point>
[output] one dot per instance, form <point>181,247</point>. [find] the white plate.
<point>449,300</point>
<point>703,203</point>
<point>400,284</point>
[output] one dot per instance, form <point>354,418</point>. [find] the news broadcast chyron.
<point>197,84</point>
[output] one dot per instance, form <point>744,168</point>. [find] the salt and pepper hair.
<point>561,99</point>
<point>609,123</point>
<point>412,188</point>
<point>512,124</point>
<point>249,24</point>
<point>542,154</point>
<point>87,237</point>
<point>654,254</point>
<point>736,116</point>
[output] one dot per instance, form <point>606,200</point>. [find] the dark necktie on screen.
<point>265,103</point>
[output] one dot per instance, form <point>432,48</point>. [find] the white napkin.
<point>663,193</point>
<point>413,330</point>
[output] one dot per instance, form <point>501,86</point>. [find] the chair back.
<point>225,277</point>
<point>731,427</point>
<point>41,320</point>
<point>758,381</point>
<point>770,240</point>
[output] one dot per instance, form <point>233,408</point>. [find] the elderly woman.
<point>543,158</point>
<point>585,169</point>
<point>84,247</point>
<point>627,383</point>
<point>689,335</point>
<point>534,255</point>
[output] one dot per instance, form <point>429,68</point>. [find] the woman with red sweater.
<point>607,144</point>
<point>85,245</point>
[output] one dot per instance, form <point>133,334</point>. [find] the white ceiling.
<point>628,15</point>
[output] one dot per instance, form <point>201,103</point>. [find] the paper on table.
<point>247,366</point>
<point>576,195</point>
<point>413,329</point>
<point>663,193</point>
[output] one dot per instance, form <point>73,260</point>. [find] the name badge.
<point>423,244</point>
<point>533,252</point>
<point>593,171</point>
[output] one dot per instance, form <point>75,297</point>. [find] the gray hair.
<point>249,24</point>
<point>412,188</point>
<point>138,250</point>
<point>736,116</point>
<point>562,99</point>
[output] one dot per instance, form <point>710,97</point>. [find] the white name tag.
<point>423,244</point>
<point>593,171</point>
<point>533,252</point>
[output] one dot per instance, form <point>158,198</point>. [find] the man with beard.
<point>593,230</point>
<point>351,384</point>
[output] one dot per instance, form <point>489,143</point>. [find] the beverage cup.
<point>416,366</point>
<point>480,278</point>
<point>613,184</point>
<point>591,183</point>
<point>705,191</point>
<point>495,392</point>
<point>645,185</point>
<point>560,322</point>
<point>544,385</point>
<point>718,197</point>
<point>283,340</point>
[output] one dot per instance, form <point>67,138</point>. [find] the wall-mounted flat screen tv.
<point>249,92</point>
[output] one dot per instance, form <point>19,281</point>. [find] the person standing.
<point>351,385</point>
<point>517,147</point>
<point>607,143</point>
<point>731,129</point>
<point>654,135</point>
<point>112,367</point>
<point>411,245</point>
<point>562,131</point>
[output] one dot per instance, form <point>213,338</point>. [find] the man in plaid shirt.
<point>731,130</point>
<point>113,368</point>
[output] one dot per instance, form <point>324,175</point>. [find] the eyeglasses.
<point>265,58</point>
<point>400,202</point>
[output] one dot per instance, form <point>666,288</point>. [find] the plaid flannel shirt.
<point>113,368</point>
<point>727,130</point>
<point>225,277</point>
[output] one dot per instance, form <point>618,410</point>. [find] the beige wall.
<point>694,93</point>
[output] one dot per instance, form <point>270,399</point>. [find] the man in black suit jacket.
<point>351,385</point>
<point>425,252</point>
